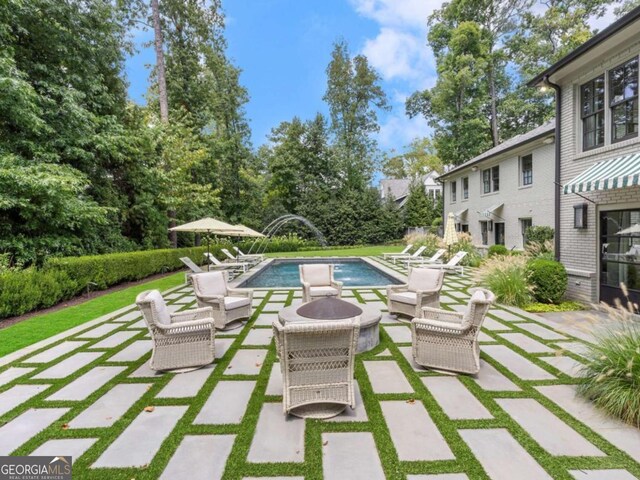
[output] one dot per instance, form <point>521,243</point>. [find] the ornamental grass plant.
<point>507,277</point>
<point>611,375</point>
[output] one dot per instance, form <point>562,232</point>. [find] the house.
<point>597,196</point>
<point>497,195</point>
<point>398,188</point>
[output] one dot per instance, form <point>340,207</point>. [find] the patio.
<point>91,394</point>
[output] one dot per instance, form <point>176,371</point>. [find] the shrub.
<point>544,250</point>
<point>548,279</point>
<point>429,240</point>
<point>282,243</point>
<point>611,376</point>
<point>465,243</point>
<point>507,278</point>
<point>567,306</point>
<point>497,250</point>
<point>539,234</point>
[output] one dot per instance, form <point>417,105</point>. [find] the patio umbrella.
<point>209,226</point>
<point>247,232</point>
<point>450,235</point>
<point>632,230</point>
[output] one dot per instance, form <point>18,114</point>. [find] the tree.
<point>420,209</point>
<point>419,159</point>
<point>353,95</point>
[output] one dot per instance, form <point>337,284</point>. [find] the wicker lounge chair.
<point>180,340</point>
<point>452,265</point>
<point>426,261</point>
<point>403,256</point>
<point>218,265</point>
<point>229,304</point>
<point>317,282</point>
<point>449,340</point>
<point>317,363</point>
<point>244,256</point>
<point>421,290</point>
<point>403,252</point>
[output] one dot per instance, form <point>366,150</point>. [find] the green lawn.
<point>47,325</point>
<point>371,250</point>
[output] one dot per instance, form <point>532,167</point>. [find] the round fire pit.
<point>327,309</point>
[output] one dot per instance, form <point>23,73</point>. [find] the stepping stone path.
<point>140,441</point>
<point>353,452</point>
<point>518,418</point>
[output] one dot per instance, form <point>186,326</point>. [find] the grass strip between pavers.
<point>237,466</point>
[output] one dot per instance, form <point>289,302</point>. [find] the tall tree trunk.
<point>495,132</point>
<point>162,95</point>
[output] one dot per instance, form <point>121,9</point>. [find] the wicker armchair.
<point>180,340</point>
<point>317,362</point>
<point>421,290</point>
<point>317,282</point>
<point>229,304</point>
<point>449,340</point>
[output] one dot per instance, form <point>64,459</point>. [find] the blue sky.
<point>284,46</point>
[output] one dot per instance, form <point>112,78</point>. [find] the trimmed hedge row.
<point>23,291</point>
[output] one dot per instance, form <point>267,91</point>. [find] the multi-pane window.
<point>525,223</point>
<point>491,179</point>
<point>592,101</point>
<point>526,169</point>
<point>465,188</point>
<point>484,232</point>
<point>623,81</point>
<point>454,192</point>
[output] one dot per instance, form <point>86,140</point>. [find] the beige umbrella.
<point>208,225</point>
<point>450,235</point>
<point>247,232</point>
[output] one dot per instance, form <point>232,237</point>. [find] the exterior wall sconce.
<point>580,216</point>
<point>474,168</point>
<point>549,140</point>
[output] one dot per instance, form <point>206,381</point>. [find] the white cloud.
<point>398,131</point>
<point>395,54</point>
<point>404,13</point>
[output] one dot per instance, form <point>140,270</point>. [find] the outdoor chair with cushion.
<point>181,339</point>
<point>317,363</point>
<point>447,340</point>
<point>421,290</point>
<point>317,282</point>
<point>403,252</point>
<point>229,304</point>
<point>247,256</point>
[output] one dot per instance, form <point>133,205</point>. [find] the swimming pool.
<point>353,272</point>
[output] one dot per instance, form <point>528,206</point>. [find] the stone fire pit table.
<point>369,320</point>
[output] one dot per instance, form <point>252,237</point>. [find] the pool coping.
<point>371,261</point>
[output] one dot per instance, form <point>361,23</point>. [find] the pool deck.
<point>90,393</point>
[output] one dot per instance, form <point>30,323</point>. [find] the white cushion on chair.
<point>424,279</point>
<point>410,298</point>
<point>317,275</point>
<point>323,291</point>
<point>231,303</point>
<point>162,315</point>
<point>211,284</point>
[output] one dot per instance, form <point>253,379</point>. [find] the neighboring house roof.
<point>397,188</point>
<point>507,145</point>
<point>594,41</point>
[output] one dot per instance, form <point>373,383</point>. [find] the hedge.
<point>497,250</point>
<point>22,291</point>
<point>549,280</point>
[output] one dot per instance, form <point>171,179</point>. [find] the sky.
<point>284,46</point>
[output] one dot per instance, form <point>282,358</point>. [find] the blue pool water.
<point>353,272</point>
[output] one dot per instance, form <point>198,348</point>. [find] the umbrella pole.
<point>208,251</point>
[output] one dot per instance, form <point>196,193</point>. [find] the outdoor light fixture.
<point>490,225</point>
<point>474,169</point>
<point>549,140</point>
<point>580,216</point>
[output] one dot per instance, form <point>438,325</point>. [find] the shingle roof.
<point>398,188</point>
<point>513,142</point>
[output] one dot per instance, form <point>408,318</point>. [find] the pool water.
<point>352,272</point>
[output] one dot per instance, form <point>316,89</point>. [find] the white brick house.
<point>498,194</point>
<point>598,203</point>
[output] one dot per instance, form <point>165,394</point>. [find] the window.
<point>484,231</point>
<point>491,179</point>
<point>526,169</point>
<point>454,186</point>
<point>464,228</point>
<point>592,104</point>
<point>580,216</point>
<point>465,188</point>
<point>623,84</point>
<point>524,224</point>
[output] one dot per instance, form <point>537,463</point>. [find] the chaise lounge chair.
<point>402,256</point>
<point>403,252</point>
<point>218,265</point>
<point>181,339</point>
<point>449,340</point>
<point>425,261</point>
<point>317,363</point>
<point>243,256</point>
<point>232,258</point>
<point>190,264</point>
<point>451,265</point>
<point>228,304</point>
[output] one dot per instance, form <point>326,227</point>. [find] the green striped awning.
<point>617,172</point>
